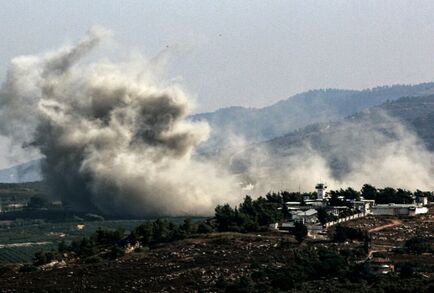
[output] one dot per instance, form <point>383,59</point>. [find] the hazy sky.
<point>248,53</point>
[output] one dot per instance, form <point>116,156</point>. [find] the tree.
<point>323,216</point>
<point>144,233</point>
<point>350,193</point>
<point>62,247</point>
<point>116,251</point>
<point>369,192</point>
<point>342,234</point>
<point>37,202</point>
<point>224,216</point>
<point>339,234</point>
<point>188,226</point>
<point>334,199</point>
<point>407,270</point>
<point>300,231</point>
<point>418,245</point>
<point>386,195</point>
<point>160,230</point>
<point>429,195</point>
<point>107,237</point>
<point>204,228</point>
<point>247,207</point>
<point>404,196</point>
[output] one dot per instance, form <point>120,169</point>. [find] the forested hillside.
<point>416,113</point>
<point>298,111</point>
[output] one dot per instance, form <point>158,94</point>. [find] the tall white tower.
<point>320,191</point>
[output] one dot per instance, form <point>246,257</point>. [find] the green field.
<point>19,240</point>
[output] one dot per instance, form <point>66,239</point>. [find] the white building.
<point>398,210</point>
<point>364,205</point>
<point>320,191</point>
<point>305,217</point>
<point>423,200</point>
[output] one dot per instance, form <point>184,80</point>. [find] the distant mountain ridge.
<point>26,172</point>
<point>341,142</point>
<point>298,111</point>
<point>416,113</point>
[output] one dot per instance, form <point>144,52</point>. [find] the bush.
<point>342,234</point>
<point>418,245</point>
<point>107,237</point>
<point>407,270</point>
<point>37,202</point>
<point>300,231</point>
<point>204,228</point>
<point>42,258</point>
<point>93,259</point>
<point>27,268</point>
<point>141,249</point>
<point>116,252</point>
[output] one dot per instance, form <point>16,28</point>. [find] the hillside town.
<point>327,209</point>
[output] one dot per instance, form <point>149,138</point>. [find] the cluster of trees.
<point>110,244</point>
<point>324,216</point>
<point>255,215</point>
<point>420,245</point>
<point>151,233</point>
<point>381,196</point>
<point>391,195</point>
<point>342,234</point>
<point>101,244</point>
<point>38,202</point>
<point>343,197</point>
<point>347,194</point>
<point>285,196</point>
<point>250,216</point>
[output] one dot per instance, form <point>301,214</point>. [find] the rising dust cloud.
<point>115,140</point>
<point>379,150</point>
<point>112,139</point>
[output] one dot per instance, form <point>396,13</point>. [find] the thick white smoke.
<point>378,150</point>
<point>113,139</point>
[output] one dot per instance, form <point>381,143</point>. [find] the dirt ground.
<point>389,234</point>
<point>392,232</point>
<point>191,264</point>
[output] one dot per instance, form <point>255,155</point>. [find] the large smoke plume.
<point>117,140</point>
<point>113,139</point>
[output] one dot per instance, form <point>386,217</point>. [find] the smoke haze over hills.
<point>388,145</point>
<point>116,139</point>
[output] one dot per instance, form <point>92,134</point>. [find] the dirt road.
<point>393,223</point>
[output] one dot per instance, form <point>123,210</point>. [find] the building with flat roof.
<point>306,217</point>
<point>392,209</point>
